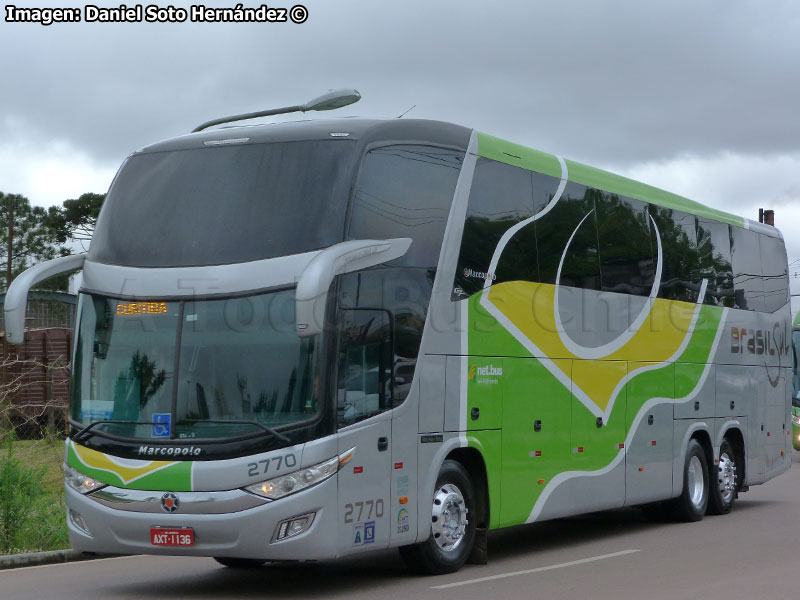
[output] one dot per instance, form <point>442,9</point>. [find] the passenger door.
<point>364,385</point>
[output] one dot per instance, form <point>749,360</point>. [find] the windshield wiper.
<point>270,430</point>
<point>88,429</point>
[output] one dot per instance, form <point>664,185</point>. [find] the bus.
<point>796,382</point>
<point>308,340</point>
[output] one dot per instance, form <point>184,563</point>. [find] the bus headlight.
<point>795,420</point>
<point>80,482</point>
<point>299,480</point>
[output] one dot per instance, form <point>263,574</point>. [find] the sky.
<point>698,98</point>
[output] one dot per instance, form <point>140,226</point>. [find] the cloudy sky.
<point>699,98</point>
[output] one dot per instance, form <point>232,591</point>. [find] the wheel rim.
<point>449,518</point>
<point>727,477</point>
<point>694,482</point>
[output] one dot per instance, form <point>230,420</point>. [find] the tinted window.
<point>714,253</point>
<point>746,260</point>
<point>365,358</point>
<point>405,293</point>
<point>626,250</point>
<point>500,197</point>
<point>406,191</point>
<point>224,204</point>
<point>520,258</point>
<point>573,214</point>
<point>775,270</point>
<point>680,268</point>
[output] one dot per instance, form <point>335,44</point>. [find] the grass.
<point>47,453</point>
<point>32,510</point>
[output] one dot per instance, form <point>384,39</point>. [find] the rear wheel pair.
<point>707,490</point>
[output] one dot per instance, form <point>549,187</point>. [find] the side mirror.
<point>312,287</point>
<point>17,296</point>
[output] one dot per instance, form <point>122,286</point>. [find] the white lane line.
<point>572,563</point>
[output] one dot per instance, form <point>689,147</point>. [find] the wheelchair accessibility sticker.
<point>161,425</point>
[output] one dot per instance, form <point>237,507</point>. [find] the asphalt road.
<point>750,553</point>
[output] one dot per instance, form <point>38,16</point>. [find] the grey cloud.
<point>606,82</point>
<point>788,197</point>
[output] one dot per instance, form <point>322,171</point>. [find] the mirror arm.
<point>16,301</point>
<point>345,257</point>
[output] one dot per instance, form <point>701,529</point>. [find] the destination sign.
<point>141,308</point>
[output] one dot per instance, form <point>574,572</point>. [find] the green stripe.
<point>623,186</point>
<point>174,478</point>
<point>541,162</point>
<point>518,156</point>
<point>513,406</point>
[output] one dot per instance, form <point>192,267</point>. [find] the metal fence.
<point>34,376</point>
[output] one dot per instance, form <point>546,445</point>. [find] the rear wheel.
<point>691,504</point>
<point>453,518</point>
<point>239,563</point>
<point>726,480</point>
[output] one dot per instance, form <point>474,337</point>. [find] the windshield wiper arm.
<point>88,429</point>
<point>270,430</point>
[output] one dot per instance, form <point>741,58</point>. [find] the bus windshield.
<point>224,205</point>
<point>193,369</point>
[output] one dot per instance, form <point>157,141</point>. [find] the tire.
<point>692,503</point>
<point>453,523</point>
<point>239,563</point>
<point>726,480</point>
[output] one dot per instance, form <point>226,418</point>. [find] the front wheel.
<point>453,521</point>
<point>691,504</point>
<point>725,483</point>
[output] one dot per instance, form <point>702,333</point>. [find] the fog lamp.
<point>79,522</point>
<point>294,526</point>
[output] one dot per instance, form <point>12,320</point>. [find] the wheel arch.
<point>700,431</point>
<point>732,432</point>
<point>703,436</point>
<point>472,460</point>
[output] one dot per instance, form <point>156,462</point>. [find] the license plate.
<point>172,536</point>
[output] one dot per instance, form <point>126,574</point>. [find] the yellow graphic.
<point>471,375</point>
<point>529,306</point>
<point>98,460</point>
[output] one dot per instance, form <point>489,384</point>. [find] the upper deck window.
<point>223,205</point>
<point>406,191</point>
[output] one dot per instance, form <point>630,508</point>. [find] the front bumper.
<point>243,534</point>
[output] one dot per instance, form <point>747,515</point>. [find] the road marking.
<point>64,564</point>
<point>571,563</point>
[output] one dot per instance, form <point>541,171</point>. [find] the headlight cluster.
<point>80,482</point>
<point>299,480</point>
<point>796,419</point>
